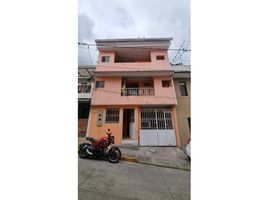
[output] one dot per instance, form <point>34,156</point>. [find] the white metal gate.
<point>157,128</point>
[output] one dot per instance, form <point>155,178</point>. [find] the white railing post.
<point>137,91</point>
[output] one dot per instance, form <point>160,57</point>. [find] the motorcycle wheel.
<point>82,154</point>
<point>114,155</point>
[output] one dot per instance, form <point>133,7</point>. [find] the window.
<point>99,84</point>
<point>183,88</point>
<point>80,88</point>
<point>160,57</point>
<point>84,88</point>
<point>105,58</point>
<point>112,115</point>
<point>165,83</point>
<point>189,123</point>
<point>88,88</point>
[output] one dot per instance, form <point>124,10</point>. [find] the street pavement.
<point>99,179</point>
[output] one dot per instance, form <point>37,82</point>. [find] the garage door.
<point>157,128</point>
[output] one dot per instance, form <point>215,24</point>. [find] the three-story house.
<point>133,93</point>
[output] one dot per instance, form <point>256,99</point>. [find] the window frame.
<point>185,87</point>
<point>112,117</point>
<point>166,81</point>
<point>105,58</point>
<point>96,86</point>
<point>160,57</point>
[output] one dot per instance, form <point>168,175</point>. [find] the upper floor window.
<point>84,88</point>
<point>99,84</point>
<point>160,57</point>
<point>166,83</point>
<point>105,58</point>
<point>183,88</point>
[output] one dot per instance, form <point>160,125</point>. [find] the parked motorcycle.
<point>101,147</point>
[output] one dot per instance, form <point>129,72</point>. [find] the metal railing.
<point>137,91</point>
<point>84,88</point>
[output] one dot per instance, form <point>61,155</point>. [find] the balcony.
<point>84,92</point>
<point>137,91</point>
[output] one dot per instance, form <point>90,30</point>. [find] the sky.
<point>102,19</point>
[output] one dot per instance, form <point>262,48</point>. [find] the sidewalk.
<point>171,157</point>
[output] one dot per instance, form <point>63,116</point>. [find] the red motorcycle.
<point>101,147</point>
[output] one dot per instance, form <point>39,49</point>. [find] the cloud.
<point>85,28</point>
<point>136,18</point>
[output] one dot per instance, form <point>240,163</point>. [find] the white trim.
<point>174,92</point>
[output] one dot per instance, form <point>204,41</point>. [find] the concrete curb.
<point>129,159</point>
<point>135,160</point>
<point>165,166</point>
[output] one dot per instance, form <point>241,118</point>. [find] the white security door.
<point>157,128</point>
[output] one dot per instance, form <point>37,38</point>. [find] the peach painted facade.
<point>134,92</point>
<point>111,93</point>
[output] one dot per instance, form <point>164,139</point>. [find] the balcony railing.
<point>84,88</point>
<point>137,92</point>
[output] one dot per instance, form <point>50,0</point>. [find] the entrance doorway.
<point>129,124</point>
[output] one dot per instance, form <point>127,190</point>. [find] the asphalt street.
<point>99,179</point>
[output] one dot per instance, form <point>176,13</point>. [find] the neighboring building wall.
<point>84,96</point>
<point>183,109</point>
<point>82,127</point>
<point>83,113</point>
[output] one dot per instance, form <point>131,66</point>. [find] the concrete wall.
<point>111,93</point>
<point>132,66</point>
<point>183,110</point>
<point>116,128</point>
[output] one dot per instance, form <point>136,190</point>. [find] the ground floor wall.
<point>83,115</point>
<point>183,119</point>
<point>184,129</point>
<point>97,125</point>
<point>82,127</point>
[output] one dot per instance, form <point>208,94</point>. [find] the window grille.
<point>112,115</point>
<point>84,88</point>
<point>105,58</point>
<point>99,84</point>
<point>160,57</point>
<point>166,83</point>
<point>160,119</point>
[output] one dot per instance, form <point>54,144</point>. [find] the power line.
<point>178,52</point>
<point>90,56</point>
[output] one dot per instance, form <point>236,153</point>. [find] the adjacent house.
<point>85,78</point>
<point>133,92</point>
<point>182,83</point>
